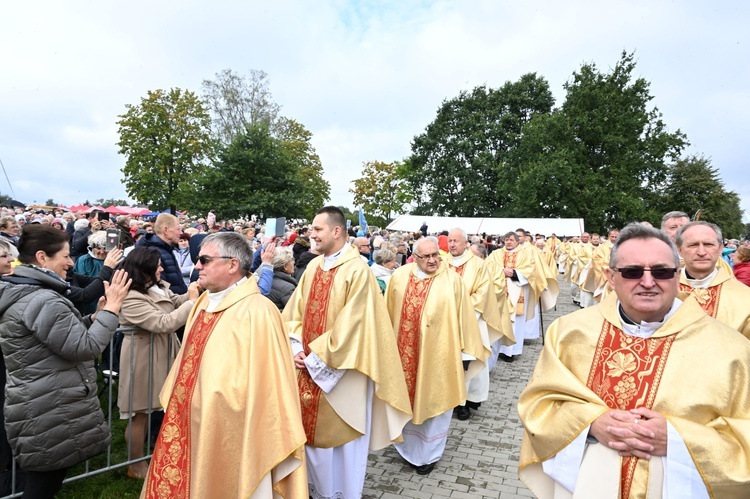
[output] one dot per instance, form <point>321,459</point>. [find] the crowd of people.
<point>273,365</point>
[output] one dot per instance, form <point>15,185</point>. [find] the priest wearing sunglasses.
<point>622,402</point>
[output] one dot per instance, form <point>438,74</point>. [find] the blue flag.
<point>362,221</point>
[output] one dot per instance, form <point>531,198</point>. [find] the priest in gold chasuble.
<point>232,426</point>
<point>438,338</point>
<point>494,327</point>
<point>516,279</point>
<point>351,387</point>
<point>715,288</point>
<point>600,264</point>
<point>620,404</point>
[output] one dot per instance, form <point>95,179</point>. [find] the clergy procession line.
<point>376,373</point>
<point>373,371</point>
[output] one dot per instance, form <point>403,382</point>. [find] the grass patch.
<point>111,484</point>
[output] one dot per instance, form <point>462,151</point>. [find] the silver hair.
<point>384,255</point>
<point>282,257</point>
<point>419,242</point>
<point>673,214</point>
<point>233,245</point>
<point>464,235</point>
<point>98,239</point>
<point>481,248</point>
<point>81,223</point>
<point>640,231</point>
<point>681,231</point>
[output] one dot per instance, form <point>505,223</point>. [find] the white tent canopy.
<point>492,226</point>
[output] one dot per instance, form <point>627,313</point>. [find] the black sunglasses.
<point>205,259</point>
<point>637,272</point>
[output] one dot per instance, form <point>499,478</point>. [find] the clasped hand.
<point>638,432</point>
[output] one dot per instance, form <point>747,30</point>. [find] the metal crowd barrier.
<point>109,378</point>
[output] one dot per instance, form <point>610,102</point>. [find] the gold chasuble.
<point>340,315</point>
<point>434,321</point>
<point>231,418</point>
<point>526,261</point>
<point>588,366</point>
<point>599,265</point>
<point>571,263</point>
<point>725,299</point>
<point>482,291</point>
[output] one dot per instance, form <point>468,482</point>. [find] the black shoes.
<point>506,358</point>
<point>424,469</point>
<point>463,412</point>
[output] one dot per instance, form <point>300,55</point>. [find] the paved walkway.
<point>481,457</point>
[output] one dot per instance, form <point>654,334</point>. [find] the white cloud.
<point>364,77</point>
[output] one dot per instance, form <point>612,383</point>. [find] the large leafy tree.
<point>252,175</point>
<point>379,191</point>
<point>456,164</point>
<point>692,185</point>
<point>112,202</point>
<point>603,156</point>
<point>314,190</point>
<point>165,140</point>
<point>238,101</point>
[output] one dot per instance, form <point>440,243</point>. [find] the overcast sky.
<point>363,77</point>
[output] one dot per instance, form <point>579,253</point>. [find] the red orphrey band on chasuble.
<point>409,330</point>
<point>170,464</point>
<point>707,298</point>
<point>314,325</point>
<point>625,374</point>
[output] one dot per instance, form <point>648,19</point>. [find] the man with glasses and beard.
<point>438,339</point>
<point>620,404</point>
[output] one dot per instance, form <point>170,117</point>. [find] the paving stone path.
<point>481,457</point>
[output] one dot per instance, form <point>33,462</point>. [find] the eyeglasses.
<point>637,272</point>
<point>205,259</point>
<point>433,256</point>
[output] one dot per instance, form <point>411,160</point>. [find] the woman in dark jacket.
<point>52,414</point>
<point>283,284</point>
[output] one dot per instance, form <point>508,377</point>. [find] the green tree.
<point>50,202</point>
<point>602,156</point>
<point>251,175</point>
<point>379,191</point>
<point>112,202</point>
<point>693,184</point>
<point>165,140</point>
<point>314,189</point>
<point>456,164</point>
<point>238,102</point>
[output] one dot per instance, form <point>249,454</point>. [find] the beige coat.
<point>157,316</point>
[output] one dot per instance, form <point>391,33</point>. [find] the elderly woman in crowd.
<point>6,258</point>
<point>283,283</point>
<point>742,265</point>
<point>9,231</point>
<point>385,264</point>
<point>52,413</point>
<point>157,313</point>
<point>91,263</point>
